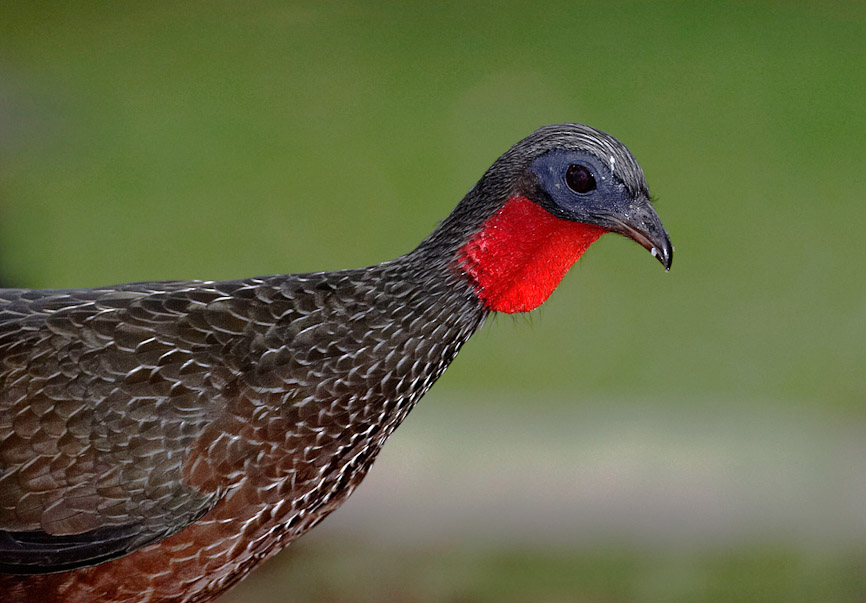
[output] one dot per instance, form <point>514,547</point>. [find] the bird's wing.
<point>103,393</point>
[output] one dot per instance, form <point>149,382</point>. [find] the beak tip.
<point>666,257</point>
<point>664,254</point>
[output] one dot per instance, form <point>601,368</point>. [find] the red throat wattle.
<point>521,254</point>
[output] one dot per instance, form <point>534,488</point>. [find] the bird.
<point>158,440</point>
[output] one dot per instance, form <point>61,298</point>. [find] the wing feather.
<point>103,393</point>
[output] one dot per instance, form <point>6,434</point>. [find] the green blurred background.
<point>698,435</point>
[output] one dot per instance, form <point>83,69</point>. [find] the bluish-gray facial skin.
<point>603,200</point>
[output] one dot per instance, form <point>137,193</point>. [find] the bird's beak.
<point>641,223</point>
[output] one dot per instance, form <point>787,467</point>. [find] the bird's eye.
<point>579,178</point>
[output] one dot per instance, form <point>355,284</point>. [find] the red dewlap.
<point>521,254</point>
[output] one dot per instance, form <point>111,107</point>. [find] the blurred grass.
<point>143,141</point>
<point>354,572</point>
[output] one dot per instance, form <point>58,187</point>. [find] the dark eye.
<point>579,179</point>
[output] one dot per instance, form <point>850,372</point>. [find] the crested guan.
<point>159,440</point>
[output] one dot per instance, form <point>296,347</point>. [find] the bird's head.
<point>542,204</point>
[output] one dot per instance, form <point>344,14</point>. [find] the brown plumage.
<point>159,440</point>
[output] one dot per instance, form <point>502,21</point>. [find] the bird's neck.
<point>521,253</point>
